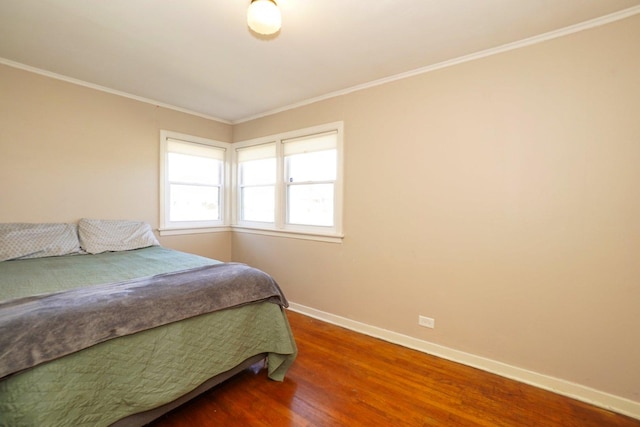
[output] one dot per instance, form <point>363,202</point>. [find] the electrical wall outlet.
<point>427,322</point>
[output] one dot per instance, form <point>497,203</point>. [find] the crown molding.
<point>586,25</point>
<point>105,89</point>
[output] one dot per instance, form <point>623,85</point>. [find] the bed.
<point>73,371</point>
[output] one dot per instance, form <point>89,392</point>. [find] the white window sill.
<point>197,230</point>
<point>303,235</point>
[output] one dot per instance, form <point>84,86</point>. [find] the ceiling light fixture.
<point>263,17</point>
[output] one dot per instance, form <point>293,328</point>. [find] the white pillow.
<point>99,235</point>
<point>23,240</point>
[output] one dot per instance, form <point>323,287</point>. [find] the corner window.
<point>193,177</point>
<point>291,182</point>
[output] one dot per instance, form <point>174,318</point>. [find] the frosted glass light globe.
<point>263,17</point>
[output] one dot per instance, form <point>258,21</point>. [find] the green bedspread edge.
<point>104,383</point>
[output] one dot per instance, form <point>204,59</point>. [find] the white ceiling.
<point>199,55</point>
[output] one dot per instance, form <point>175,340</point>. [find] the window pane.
<point>194,203</point>
<point>310,204</point>
<point>314,166</point>
<point>257,172</point>
<point>258,204</point>
<point>193,169</point>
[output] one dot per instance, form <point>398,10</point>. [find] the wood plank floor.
<point>342,378</point>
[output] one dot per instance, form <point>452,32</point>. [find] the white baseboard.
<point>563,387</point>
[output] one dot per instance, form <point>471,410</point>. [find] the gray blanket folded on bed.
<point>37,329</point>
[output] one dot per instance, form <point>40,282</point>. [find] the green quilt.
<point>104,383</point>
<point>21,278</point>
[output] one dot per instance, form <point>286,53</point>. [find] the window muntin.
<point>193,181</point>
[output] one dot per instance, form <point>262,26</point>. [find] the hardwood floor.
<point>342,378</point>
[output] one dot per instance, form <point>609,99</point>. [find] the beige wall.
<point>500,197</point>
<point>68,152</point>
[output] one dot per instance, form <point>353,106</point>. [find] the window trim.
<point>237,191</point>
<point>280,227</point>
<point>192,227</point>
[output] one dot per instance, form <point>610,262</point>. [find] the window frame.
<point>280,227</point>
<point>168,227</point>
<point>238,185</point>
